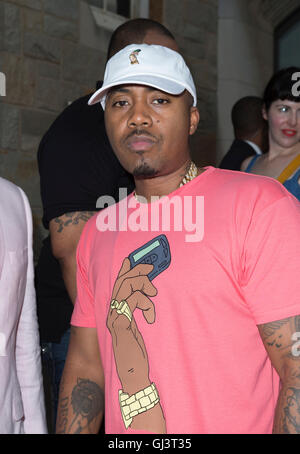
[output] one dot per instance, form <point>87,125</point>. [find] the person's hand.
<point>134,287</point>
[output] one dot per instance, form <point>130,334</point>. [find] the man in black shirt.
<point>77,166</point>
<point>250,131</point>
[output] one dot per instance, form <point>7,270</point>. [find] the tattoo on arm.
<point>291,416</point>
<point>87,402</point>
<point>73,219</point>
<point>297,323</point>
<point>279,338</point>
<point>272,335</point>
<point>269,329</point>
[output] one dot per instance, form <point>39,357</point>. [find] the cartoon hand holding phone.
<point>133,290</point>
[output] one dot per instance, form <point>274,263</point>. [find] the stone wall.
<point>245,54</point>
<point>52,52</point>
<point>274,11</point>
<point>195,26</point>
<point>46,67</point>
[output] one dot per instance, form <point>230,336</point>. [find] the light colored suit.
<point>22,407</point>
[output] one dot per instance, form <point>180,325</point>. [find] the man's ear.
<point>264,113</point>
<point>194,120</point>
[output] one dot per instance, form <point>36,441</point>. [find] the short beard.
<point>144,171</point>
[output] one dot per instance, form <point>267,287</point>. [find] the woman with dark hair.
<point>281,109</point>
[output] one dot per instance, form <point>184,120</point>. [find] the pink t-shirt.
<point>234,264</point>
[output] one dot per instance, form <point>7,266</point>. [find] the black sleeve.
<point>76,162</point>
<point>234,158</point>
<point>54,307</point>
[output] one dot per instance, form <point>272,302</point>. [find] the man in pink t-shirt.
<point>187,310</point>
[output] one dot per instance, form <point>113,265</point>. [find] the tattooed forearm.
<point>87,402</point>
<point>291,421</point>
<point>287,419</point>
<point>62,420</point>
<point>280,340</point>
<point>73,219</point>
<point>86,406</point>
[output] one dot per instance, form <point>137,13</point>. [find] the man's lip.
<point>140,142</point>
<point>289,132</point>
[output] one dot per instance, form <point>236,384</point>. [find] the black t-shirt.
<point>77,166</point>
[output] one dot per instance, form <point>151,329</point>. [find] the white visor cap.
<point>143,64</point>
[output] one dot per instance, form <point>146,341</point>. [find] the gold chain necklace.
<point>189,176</point>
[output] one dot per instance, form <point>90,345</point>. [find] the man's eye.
<point>120,103</point>
<point>283,109</point>
<point>160,101</point>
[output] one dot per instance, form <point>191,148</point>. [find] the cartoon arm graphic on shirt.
<point>139,400</point>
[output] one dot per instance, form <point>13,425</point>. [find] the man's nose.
<point>139,116</point>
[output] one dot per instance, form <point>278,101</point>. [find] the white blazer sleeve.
<point>28,356</point>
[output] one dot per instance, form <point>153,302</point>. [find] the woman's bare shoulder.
<point>245,163</point>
